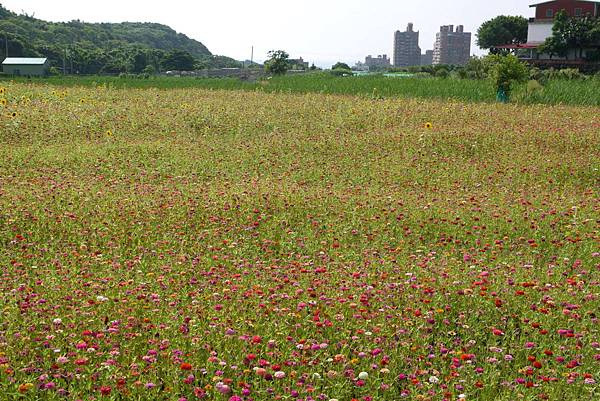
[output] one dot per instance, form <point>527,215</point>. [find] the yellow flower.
<point>3,102</point>
<point>2,91</point>
<point>109,133</point>
<point>428,125</point>
<point>13,114</point>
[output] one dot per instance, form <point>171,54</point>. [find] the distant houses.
<point>26,67</point>
<point>378,63</point>
<point>298,64</point>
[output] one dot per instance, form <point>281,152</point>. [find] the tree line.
<point>85,48</point>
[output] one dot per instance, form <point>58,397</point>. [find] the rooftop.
<point>553,1</point>
<point>24,61</point>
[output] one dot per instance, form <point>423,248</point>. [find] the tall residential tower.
<point>407,52</point>
<point>452,47</point>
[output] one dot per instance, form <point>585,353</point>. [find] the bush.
<point>568,74</point>
<point>506,70</point>
<point>341,72</point>
<point>442,73</point>
<point>538,75</point>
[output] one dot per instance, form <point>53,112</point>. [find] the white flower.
<point>100,298</point>
<point>279,375</point>
<point>434,380</point>
<point>57,321</point>
<point>363,375</point>
<point>316,376</point>
<point>462,396</point>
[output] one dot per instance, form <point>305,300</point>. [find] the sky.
<point>320,31</point>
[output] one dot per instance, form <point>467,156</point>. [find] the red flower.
<point>497,332</point>
<point>105,390</point>
<point>185,366</point>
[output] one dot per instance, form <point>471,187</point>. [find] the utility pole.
<point>252,56</point>
<point>6,42</point>
<point>65,62</point>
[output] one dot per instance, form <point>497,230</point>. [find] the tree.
<point>178,60</point>
<point>506,70</point>
<point>572,34</point>
<point>502,30</point>
<point>277,64</point>
<point>341,66</point>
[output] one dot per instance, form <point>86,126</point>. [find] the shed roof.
<point>24,61</point>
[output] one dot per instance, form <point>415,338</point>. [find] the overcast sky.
<point>321,31</point>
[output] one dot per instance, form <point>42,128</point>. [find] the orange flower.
<point>25,387</point>
<point>185,366</point>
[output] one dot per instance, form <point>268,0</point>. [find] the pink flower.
<point>222,388</point>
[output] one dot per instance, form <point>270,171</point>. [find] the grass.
<point>584,93</point>
<point>228,245</point>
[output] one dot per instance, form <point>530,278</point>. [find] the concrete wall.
<point>539,31</point>
<point>25,70</point>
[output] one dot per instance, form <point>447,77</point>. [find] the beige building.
<point>452,47</point>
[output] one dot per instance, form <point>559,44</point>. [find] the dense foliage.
<point>278,62</point>
<point>574,34</point>
<point>87,48</point>
<point>505,71</point>
<point>502,30</point>
<point>559,86</point>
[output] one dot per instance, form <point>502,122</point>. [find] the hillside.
<point>91,48</point>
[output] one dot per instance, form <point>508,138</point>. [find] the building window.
<point>578,12</point>
<point>549,13</point>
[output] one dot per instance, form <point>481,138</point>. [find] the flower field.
<point>191,244</point>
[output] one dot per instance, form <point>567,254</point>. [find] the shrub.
<point>506,70</point>
<point>569,74</point>
<point>442,73</point>
<point>341,72</point>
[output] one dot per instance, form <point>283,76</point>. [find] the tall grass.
<point>568,92</point>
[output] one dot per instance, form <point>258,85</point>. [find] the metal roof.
<point>24,61</point>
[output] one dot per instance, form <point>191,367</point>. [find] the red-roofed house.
<point>540,27</point>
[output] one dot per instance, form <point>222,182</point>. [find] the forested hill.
<point>103,48</point>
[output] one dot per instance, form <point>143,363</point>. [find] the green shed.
<point>28,67</point>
